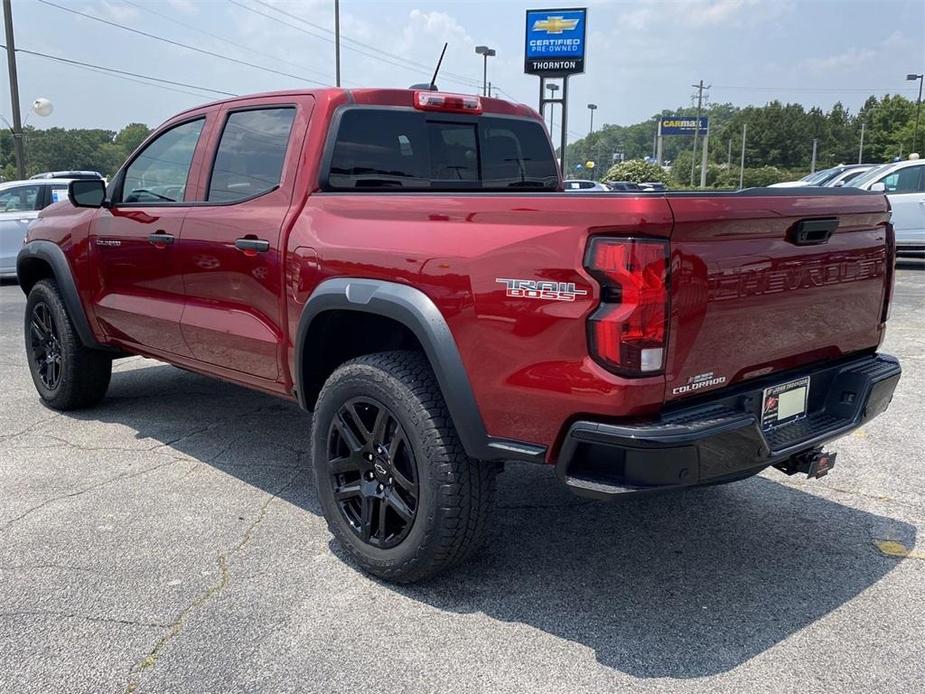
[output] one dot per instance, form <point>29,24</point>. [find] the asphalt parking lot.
<point>171,540</point>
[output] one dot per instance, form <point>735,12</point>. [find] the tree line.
<point>779,137</point>
<point>60,149</point>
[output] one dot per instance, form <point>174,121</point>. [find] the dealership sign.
<point>555,44</point>
<point>682,125</point>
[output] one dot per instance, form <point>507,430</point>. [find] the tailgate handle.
<point>812,232</point>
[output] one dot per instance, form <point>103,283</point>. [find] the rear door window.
<point>20,199</point>
<point>250,155</point>
<point>378,149</point>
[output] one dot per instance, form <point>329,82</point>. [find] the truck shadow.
<point>681,586</point>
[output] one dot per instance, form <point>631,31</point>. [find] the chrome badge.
<point>541,289</point>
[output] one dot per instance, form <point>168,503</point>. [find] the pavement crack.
<point>174,629</point>
<point>92,487</point>
<point>72,615</point>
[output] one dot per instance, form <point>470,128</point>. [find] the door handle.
<point>812,232</point>
<point>161,239</point>
<point>252,246</point>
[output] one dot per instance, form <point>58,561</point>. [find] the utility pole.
<point>16,130</point>
<point>337,42</point>
<point>729,156</point>
<point>812,166</point>
<point>742,162</point>
<point>699,87</point>
<point>861,148</point>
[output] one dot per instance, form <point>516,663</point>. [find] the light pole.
<point>592,108</point>
<point>485,52</point>
<point>918,107</point>
<point>553,88</point>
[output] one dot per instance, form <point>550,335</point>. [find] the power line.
<point>181,45</point>
<point>120,72</point>
<point>377,49</point>
<point>221,38</point>
<point>378,55</point>
<point>107,73</point>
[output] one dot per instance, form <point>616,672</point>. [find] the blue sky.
<point>642,55</point>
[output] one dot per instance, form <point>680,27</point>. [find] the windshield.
<point>818,177</point>
<point>867,177</point>
<point>377,148</point>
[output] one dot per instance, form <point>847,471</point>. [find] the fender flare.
<point>51,254</point>
<point>416,311</point>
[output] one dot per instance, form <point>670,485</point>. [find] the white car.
<point>823,177</point>
<point>582,186</point>
<point>848,175</point>
<point>904,185</point>
<point>20,202</point>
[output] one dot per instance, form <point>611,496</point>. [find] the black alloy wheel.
<point>46,345</point>
<point>373,472</point>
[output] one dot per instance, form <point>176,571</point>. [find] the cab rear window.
<point>388,149</point>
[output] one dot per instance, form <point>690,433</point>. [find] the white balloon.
<point>42,107</point>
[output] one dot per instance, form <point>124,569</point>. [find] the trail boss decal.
<point>541,289</point>
<point>698,382</point>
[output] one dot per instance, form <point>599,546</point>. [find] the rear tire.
<point>66,374</point>
<point>382,438</point>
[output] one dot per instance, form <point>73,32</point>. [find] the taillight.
<point>452,103</point>
<point>627,334</point>
<point>890,279</point>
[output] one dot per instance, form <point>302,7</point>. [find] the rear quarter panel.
<point>527,359</point>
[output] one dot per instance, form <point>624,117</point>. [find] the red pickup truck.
<point>404,264</point>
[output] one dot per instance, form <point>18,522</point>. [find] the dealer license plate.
<point>784,403</point>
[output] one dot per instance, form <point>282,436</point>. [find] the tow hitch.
<point>815,463</point>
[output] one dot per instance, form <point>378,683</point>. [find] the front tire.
<point>66,374</point>
<point>397,489</point>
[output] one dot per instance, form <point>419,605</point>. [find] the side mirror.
<point>840,184</point>
<point>87,192</point>
<point>878,187</point>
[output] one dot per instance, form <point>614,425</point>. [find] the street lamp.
<point>485,52</point>
<point>918,106</point>
<point>592,108</point>
<point>553,88</point>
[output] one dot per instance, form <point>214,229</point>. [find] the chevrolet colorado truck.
<point>405,265</point>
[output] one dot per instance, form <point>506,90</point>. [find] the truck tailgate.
<point>749,298</point>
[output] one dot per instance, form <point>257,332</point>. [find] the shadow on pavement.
<point>682,586</point>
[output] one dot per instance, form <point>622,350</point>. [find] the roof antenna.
<point>432,86</point>
<point>433,80</point>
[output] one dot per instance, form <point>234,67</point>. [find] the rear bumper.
<point>721,439</point>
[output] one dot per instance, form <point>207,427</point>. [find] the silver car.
<point>20,202</point>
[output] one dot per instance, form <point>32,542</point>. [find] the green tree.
<point>638,171</point>
<point>132,135</point>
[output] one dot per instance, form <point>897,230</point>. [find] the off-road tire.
<point>456,493</point>
<point>84,373</point>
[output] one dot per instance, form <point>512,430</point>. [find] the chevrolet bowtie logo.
<point>554,25</point>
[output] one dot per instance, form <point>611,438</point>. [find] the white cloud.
<point>857,57</point>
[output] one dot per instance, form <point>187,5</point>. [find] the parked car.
<point>20,202</point>
<point>819,178</point>
<point>849,174</point>
<point>904,185</point>
<point>68,174</point>
<point>624,186</point>
<point>403,264</point>
<point>583,186</point>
